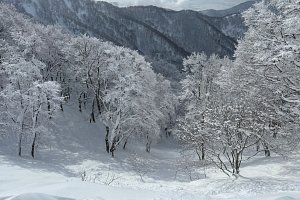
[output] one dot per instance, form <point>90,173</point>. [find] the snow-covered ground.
<point>76,166</point>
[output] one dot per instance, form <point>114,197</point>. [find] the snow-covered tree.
<point>27,101</point>
<point>121,89</point>
<point>199,90</point>
<point>233,133</point>
<point>258,109</point>
<point>167,103</point>
<point>267,69</point>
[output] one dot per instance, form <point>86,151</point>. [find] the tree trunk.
<point>148,144</point>
<point>237,163</point>
<point>79,104</point>
<point>98,104</point>
<point>92,119</point>
<point>113,147</point>
<point>258,146</point>
<point>33,146</point>
<point>166,132</point>
<point>84,99</point>
<point>106,139</point>
<point>20,144</point>
<point>125,143</point>
<point>35,121</point>
<point>267,150</point>
<point>112,150</point>
<point>202,151</point>
<point>61,107</point>
<point>148,147</point>
<point>49,107</point>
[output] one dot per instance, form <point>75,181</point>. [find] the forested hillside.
<point>44,67</point>
<point>163,36</point>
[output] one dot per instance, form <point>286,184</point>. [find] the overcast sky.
<point>182,4</point>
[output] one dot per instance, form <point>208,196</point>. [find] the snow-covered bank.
<point>33,180</point>
<point>79,154</point>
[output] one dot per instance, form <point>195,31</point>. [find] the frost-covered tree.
<point>121,89</point>
<point>267,70</point>
<point>131,99</point>
<point>199,90</point>
<point>233,134</point>
<point>27,101</point>
<point>167,103</point>
<point>259,110</point>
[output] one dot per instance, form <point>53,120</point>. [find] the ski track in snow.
<point>79,148</point>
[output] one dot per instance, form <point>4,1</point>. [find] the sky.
<point>182,4</point>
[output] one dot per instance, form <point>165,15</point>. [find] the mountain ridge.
<point>161,35</point>
<point>230,11</point>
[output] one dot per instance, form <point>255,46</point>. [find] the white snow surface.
<point>78,148</point>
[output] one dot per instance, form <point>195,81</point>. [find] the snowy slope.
<point>77,153</point>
